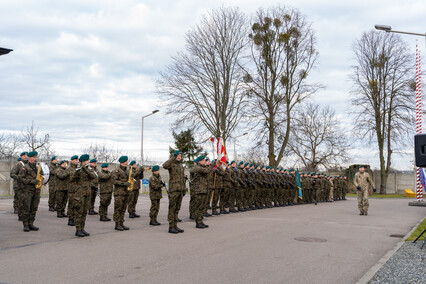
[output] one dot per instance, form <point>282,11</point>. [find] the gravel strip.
<point>407,265</point>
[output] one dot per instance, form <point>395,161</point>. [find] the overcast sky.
<point>85,71</point>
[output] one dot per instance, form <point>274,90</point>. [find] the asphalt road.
<point>253,247</point>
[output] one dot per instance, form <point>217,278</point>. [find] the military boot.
<point>199,226</point>
<point>191,217</point>
<point>15,211</point>
<point>178,229</point>
<point>26,228</point>
<point>124,227</point>
<point>205,226</point>
<point>131,215</point>
<point>71,222</point>
<point>136,215</point>
<point>91,212</point>
<point>51,209</point>
<point>32,227</point>
<point>79,234</point>
<point>103,219</point>
<point>64,215</point>
<point>59,215</point>
<point>85,233</point>
<point>361,213</point>
<point>118,227</point>
<point>172,230</point>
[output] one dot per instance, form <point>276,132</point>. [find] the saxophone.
<point>131,180</point>
<point>39,177</point>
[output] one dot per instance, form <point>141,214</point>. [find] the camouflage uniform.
<point>62,184</point>
<point>239,194</point>
<point>52,185</point>
<point>94,187</point>
<point>344,188</point>
<point>227,185</point>
<point>176,188</point>
<point>134,194</point>
<point>200,186</point>
<point>17,186</point>
<point>120,179</point>
<point>105,189</point>
<point>361,181</point>
<point>30,195</point>
<point>316,184</point>
<point>71,191</point>
<point>82,177</point>
<point>306,187</point>
<point>232,189</point>
<point>155,194</point>
<point>217,188</point>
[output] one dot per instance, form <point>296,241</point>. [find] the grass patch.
<point>377,195</point>
<point>420,228</point>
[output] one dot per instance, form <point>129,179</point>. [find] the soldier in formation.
<point>106,189</point>
<point>156,185</point>
<point>137,175</point>
<point>17,185</point>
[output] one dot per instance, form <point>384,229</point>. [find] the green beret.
<point>291,170</point>
<point>93,161</point>
<point>155,168</point>
<point>132,163</point>
<point>196,160</point>
<point>308,173</point>
<point>262,167</point>
<point>200,158</point>
<point>84,157</point>
<point>246,164</point>
<point>241,163</point>
<point>61,162</point>
<point>32,154</point>
<point>361,166</point>
<point>74,157</point>
<point>232,162</point>
<point>104,165</point>
<point>123,159</point>
<point>23,153</point>
<point>176,152</point>
<point>251,165</point>
<point>19,159</point>
<point>53,158</point>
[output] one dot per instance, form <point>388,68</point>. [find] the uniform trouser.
<point>93,193</point>
<point>276,195</point>
<point>199,202</point>
<point>175,202</point>
<point>61,200</point>
<point>105,201</point>
<point>80,206</point>
<point>30,201</point>
<point>344,193</point>
<point>207,200</point>
<point>52,198</point>
<point>19,195</point>
<point>133,200</point>
<point>120,206</point>
<point>15,199</point>
<point>155,207</point>
<point>70,211</point>
<point>331,194</point>
<point>363,201</point>
<point>224,198</point>
<point>217,192</point>
<point>231,198</point>
<point>317,196</point>
<point>191,204</point>
<point>245,195</point>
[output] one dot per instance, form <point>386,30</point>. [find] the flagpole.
<point>419,188</point>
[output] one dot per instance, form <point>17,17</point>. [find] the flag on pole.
<point>221,152</point>
<point>422,177</point>
<point>299,185</point>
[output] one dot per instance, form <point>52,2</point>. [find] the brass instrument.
<point>131,180</point>
<point>39,177</point>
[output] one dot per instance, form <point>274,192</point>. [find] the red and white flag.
<point>222,156</point>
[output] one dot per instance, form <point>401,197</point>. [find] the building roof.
<point>4,51</point>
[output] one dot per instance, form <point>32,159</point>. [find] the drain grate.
<point>311,240</point>
<point>397,236</point>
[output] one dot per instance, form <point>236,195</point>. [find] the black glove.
<point>374,190</point>
<point>358,188</point>
<point>127,183</point>
<point>163,184</point>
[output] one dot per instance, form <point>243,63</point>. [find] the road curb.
<point>373,270</point>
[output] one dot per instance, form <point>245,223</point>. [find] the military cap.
<point>53,158</point>
<point>309,173</point>
<point>104,165</point>
<point>361,166</point>
<point>74,157</point>
<point>232,162</point>
<point>207,159</point>
<point>32,154</point>
<point>176,152</point>
<point>200,158</point>
<point>285,169</point>
<point>93,160</point>
<point>291,170</point>
<point>84,157</point>
<point>23,153</point>
<point>19,159</point>
<point>155,168</point>
<point>261,167</point>
<point>251,165</point>
<point>246,164</point>
<point>132,163</point>
<point>242,162</point>
<point>61,162</point>
<point>271,168</point>
<point>123,159</point>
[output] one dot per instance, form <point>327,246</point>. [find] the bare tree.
<point>32,141</point>
<point>102,152</point>
<point>202,85</point>
<point>283,53</point>
<point>9,145</point>
<point>383,98</point>
<point>317,138</point>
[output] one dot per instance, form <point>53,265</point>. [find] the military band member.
<point>83,176</point>
<point>155,194</point>
<point>30,194</point>
<point>53,166</point>
<point>106,189</point>
<point>94,187</point>
<point>62,184</point>
<point>71,190</point>
<point>17,186</point>
<point>120,180</point>
<point>137,174</point>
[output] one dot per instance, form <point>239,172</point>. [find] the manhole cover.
<point>312,240</point>
<point>396,236</point>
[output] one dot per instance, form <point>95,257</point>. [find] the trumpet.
<point>39,177</point>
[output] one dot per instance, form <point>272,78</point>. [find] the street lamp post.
<point>235,139</point>
<point>154,111</point>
